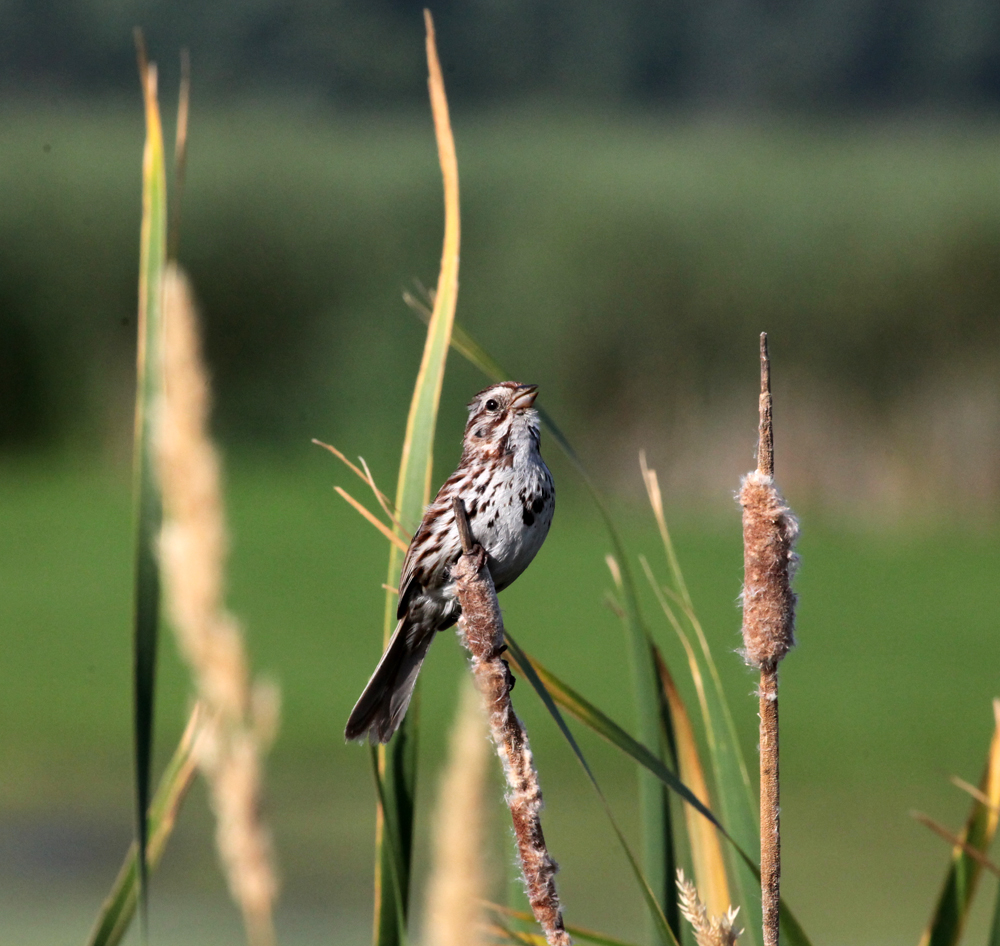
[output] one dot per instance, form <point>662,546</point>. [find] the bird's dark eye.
<point>492,404</point>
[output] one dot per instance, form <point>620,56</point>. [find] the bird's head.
<point>501,419</point>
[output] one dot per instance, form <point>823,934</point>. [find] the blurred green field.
<point>887,695</point>
<point>625,263</point>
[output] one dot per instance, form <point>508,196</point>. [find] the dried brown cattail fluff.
<point>481,629</point>
<point>240,718</point>
<point>769,562</point>
<point>708,931</point>
<point>458,882</point>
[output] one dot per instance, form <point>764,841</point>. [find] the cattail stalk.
<point>240,715</point>
<point>769,533</point>
<point>481,629</point>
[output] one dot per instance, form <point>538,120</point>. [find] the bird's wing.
<point>408,585</point>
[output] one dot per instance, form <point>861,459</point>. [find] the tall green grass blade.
<point>952,909</point>
<point>119,907</point>
<point>398,761</point>
<point>394,857</point>
<point>994,937</point>
<point>148,513</point>
<point>671,906</point>
<point>659,920</point>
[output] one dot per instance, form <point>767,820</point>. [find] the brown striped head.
<point>502,420</point>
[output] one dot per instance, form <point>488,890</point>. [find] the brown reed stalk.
<point>240,716</point>
<point>769,533</point>
<point>457,888</point>
<point>481,629</point>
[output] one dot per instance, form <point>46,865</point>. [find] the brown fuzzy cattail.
<point>769,561</point>
<point>481,628</point>
<point>240,717</point>
<point>769,533</point>
<point>458,882</point>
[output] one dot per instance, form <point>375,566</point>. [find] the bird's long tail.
<point>382,705</point>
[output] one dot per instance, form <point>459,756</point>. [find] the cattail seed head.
<point>769,534</point>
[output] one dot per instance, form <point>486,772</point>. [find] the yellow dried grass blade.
<point>952,909</point>
<point>706,848</point>
<point>397,762</point>
<point>119,907</point>
<point>504,934</point>
<point>581,932</point>
<point>371,517</point>
<point>942,832</point>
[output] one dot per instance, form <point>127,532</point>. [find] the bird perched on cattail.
<point>509,496</point>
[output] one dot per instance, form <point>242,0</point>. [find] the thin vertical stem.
<point>770,824</point>
<point>765,445</point>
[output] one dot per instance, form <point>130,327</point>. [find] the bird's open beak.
<point>526,394</point>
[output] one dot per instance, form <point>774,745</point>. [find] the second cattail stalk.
<point>769,561</point>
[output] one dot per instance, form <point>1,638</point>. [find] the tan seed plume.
<point>240,716</point>
<point>708,931</point>
<point>458,881</point>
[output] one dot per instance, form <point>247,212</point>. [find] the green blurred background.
<point>645,187</point>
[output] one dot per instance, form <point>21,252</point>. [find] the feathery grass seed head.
<point>708,931</point>
<point>240,718</point>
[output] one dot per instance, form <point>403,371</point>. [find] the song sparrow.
<point>509,496</point>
